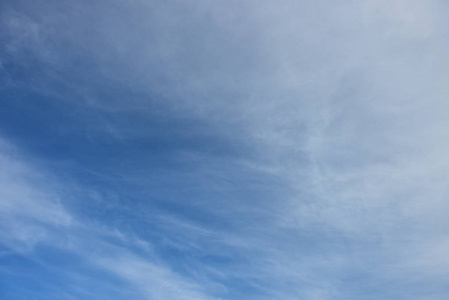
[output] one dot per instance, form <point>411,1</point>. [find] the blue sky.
<point>214,150</point>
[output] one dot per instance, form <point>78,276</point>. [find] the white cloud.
<point>32,216</point>
<point>345,101</point>
<point>29,207</point>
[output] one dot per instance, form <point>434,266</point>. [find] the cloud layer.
<point>224,149</point>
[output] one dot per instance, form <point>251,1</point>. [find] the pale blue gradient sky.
<point>220,150</point>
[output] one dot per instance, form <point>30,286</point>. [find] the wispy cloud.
<point>230,150</point>
<point>33,218</point>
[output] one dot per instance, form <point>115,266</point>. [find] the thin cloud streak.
<point>33,218</point>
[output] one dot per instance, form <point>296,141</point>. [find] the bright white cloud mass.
<point>212,150</point>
